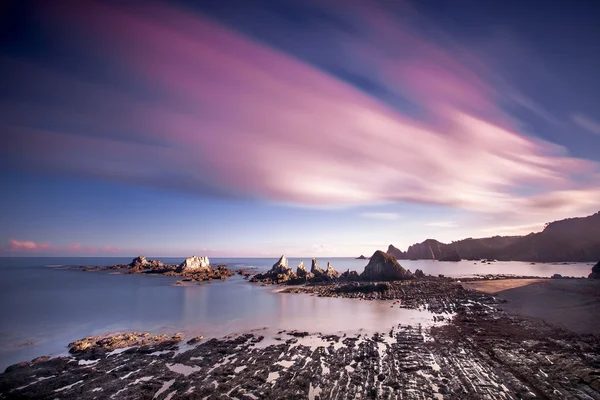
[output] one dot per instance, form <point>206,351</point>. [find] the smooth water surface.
<point>44,305</point>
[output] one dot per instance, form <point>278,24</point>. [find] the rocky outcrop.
<point>331,273</point>
<point>350,276</point>
<point>419,274</point>
<point>383,267</point>
<point>396,252</point>
<point>314,268</point>
<point>140,264</point>
<point>98,345</point>
<point>361,257</point>
<point>279,273</point>
<point>302,274</point>
<point>194,263</point>
<point>453,256</point>
<point>595,272</point>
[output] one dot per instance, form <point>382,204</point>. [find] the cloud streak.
<point>587,123</point>
<point>235,117</point>
<point>26,246</point>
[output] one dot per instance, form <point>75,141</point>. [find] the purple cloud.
<point>236,117</point>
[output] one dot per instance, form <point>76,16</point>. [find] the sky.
<point>307,128</point>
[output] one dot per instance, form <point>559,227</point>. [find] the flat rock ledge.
<point>482,353</point>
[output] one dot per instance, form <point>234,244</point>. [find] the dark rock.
<point>453,256</point>
<point>595,272</point>
<point>557,276</point>
<point>350,276</point>
<point>361,257</point>
<point>302,274</point>
<point>314,268</point>
<point>419,274</point>
<point>396,252</point>
<point>195,340</point>
<point>383,267</point>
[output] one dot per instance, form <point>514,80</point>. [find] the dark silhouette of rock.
<point>314,268</point>
<point>557,276</point>
<point>453,256</point>
<point>572,239</point>
<point>595,272</point>
<point>361,257</point>
<point>396,252</point>
<point>419,274</point>
<point>384,267</point>
<point>350,276</point>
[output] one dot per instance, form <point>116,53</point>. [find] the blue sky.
<point>299,128</point>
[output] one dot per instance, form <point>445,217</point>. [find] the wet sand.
<point>573,304</point>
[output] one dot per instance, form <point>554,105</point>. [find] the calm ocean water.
<point>44,305</point>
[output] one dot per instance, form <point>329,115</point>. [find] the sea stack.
<point>595,272</point>
<point>194,263</point>
<point>302,273</point>
<point>453,256</point>
<point>331,272</point>
<point>383,267</point>
<point>314,268</point>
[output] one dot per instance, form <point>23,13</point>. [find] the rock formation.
<point>279,273</point>
<point>331,273</point>
<point>419,274</point>
<point>453,256</point>
<point>383,267</point>
<point>350,276</point>
<point>302,273</point>
<point>396,252</point>
<point>595,272</point>
<point>194,263</point>
<point>361,257</point>
<point>140,263</point>
<point>314,268</point>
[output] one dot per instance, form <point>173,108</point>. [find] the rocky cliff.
<point>572,239</point>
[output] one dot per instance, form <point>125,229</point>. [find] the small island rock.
<point>383,267</point>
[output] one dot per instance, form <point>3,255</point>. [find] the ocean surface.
<point>44,304</point>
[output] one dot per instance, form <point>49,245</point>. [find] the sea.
<point>46,303</point>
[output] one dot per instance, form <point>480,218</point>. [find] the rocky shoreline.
<point>482,352</point>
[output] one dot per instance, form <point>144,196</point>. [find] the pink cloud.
<point>16,246</point>
<point>238,117</point>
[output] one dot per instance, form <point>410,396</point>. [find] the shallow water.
<point>44,306</point>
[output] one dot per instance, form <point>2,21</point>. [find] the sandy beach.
<point>572,304</point>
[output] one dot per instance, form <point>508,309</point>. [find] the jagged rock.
<point>99,344</point>
<point>303,274</point>
<point>194,263</point>
<point>138,262</point>
<point>279,273</point>
<point>362,257</point>
<point>419,274</point>
<point>314,268</point>
<point>595,272</point>
<point>453,256</point>
<point>331,272</point>
<point>350,276</point>
<point>383,267</point>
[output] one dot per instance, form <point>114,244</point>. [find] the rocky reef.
<point>595,271</point>
<point>479,353</point>
<point>193,269</point>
